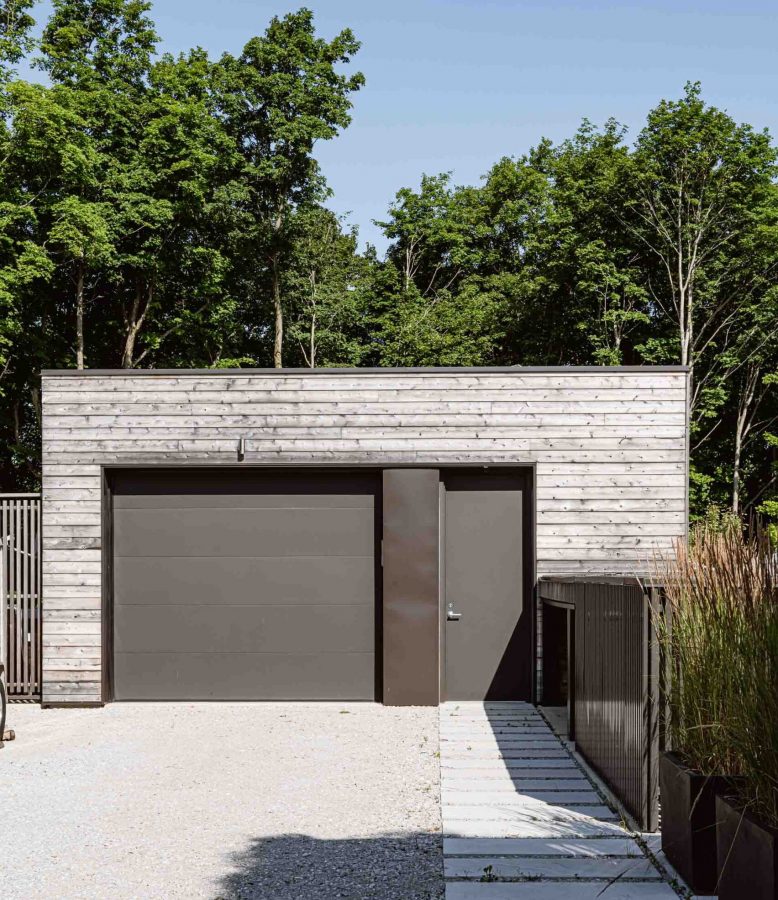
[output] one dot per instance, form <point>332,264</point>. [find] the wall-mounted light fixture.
<point>241,449</point>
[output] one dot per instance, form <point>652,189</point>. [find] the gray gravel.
<point>282,801</point>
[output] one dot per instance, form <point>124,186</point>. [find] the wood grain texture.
<point>610,451</point>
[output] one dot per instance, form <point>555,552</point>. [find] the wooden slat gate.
<point>20,584</point>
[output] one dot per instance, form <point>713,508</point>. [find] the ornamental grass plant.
<point>720,639</point>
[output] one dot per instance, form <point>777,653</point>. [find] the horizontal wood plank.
<point>609,450</point>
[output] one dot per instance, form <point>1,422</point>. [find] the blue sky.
<point>454,86</point>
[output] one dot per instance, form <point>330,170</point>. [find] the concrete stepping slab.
<point>515,748</point>
<point>530,811</point>
<point>510,742</point>
<point>459,727</point>
<point>492,727</point>
<point>447,737</point>
<point>461,744</point>
<point>528,867</point>
<point>492,714</point>
<point>507,753</point>
<point>498,737</point>
<point>592,847</point>
<point>525,713</point>
<point>506,724</point>
<point>500,704</point>
<point>491,731</point>
<point>499,774</point>
<point>585,828</point>
<point>486,725</point>
<point>493,723</point>
<point>476,712</point>
<point>563,762</point>
<point>556,798</point>
<point>506,784</point>
<point>492,734</point>
<point>592,890</point>
<point>482,716</point>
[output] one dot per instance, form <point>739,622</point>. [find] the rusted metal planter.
<point>747,853</point>
<point>688,823</point>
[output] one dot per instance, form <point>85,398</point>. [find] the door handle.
<point>452,616</point>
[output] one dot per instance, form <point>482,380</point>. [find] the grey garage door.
<point>244,584</point>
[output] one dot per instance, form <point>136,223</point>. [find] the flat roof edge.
<point>424,370</point>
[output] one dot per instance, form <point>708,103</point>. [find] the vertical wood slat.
<point>36,619</point>
<point>9,591</point>
<point>30,596</point>
<point>24,553</point>
<point>20,533</point>
<point>4,655</point>
<point>14,549</point>
<point>616,687</point>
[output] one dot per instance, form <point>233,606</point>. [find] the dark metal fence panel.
<point>20,583</point>
<point>615,664</point>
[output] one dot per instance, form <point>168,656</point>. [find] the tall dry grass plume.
<point>720,639</point>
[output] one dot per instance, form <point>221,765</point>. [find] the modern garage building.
<point>339,534</point>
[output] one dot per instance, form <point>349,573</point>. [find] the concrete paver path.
<point>521,821</point>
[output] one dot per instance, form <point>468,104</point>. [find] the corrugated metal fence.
<point>20,583</point>
<point>615,702</point>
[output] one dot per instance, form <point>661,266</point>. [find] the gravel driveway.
<point>222,800</point>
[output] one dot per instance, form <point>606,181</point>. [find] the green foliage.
<point>15,26</point>
<point>160,210</point>
<point>445,331</point>
<point>322,285</point>
<point>597,252</point>
<point>281,95</point>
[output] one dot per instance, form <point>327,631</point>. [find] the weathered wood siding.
<point>610,447</point>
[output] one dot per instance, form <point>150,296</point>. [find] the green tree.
<point>16,24</point>
<point>172,262</point>
<point>16,254</point>
<point>429,311</point>
<point>696,188</point>
<point>322,278</point>
<point>277,99</point>
<point>600,270</point>
<point>97,54</point>
<point>80,236</point>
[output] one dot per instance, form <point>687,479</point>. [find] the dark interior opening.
<point>556,677</point>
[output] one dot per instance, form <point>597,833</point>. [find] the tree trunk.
<point>745,416</point>
<point>685,317</point>
<point>35,399</point>
<point>133,322</point>
<point>312,343</point>
<point>278,342</point>
<point>312,335</point>
<point>80,316</point>
<point>128,353</point>
<point>736,470</point>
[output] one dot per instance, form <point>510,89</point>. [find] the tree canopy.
<point>161,211</point>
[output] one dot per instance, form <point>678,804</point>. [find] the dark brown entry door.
<point>482,597</point>
<point>244,585</point>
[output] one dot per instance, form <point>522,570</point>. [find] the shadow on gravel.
<point>300,867</point>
